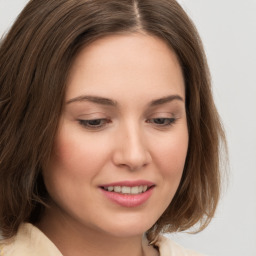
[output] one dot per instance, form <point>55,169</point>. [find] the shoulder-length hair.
<point>35,60</point>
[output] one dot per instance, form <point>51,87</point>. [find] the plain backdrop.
<point>228,31</point>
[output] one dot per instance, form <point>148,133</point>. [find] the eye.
<point>161,121</point>
<point>94,124</point>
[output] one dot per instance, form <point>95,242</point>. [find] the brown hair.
<point>35,59</point>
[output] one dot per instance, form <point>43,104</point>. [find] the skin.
<point>127,141</point>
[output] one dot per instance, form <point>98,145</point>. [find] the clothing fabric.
<point>30,241</point>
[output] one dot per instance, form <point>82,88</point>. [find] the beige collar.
<point>30,241</point>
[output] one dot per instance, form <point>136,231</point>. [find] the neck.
<point>74,239</point>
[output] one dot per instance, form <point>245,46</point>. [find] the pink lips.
<point>128,200</point>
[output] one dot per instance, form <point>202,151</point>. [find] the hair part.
<point>35,60</point>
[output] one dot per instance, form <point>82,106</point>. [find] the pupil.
<point>94,122</point>
<point>159,120</point>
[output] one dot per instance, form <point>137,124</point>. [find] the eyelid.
<point>162,114</point>
<point>85,123</point>
<point>93,115</point>
<point>162,121</point>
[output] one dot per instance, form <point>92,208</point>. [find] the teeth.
<point>117,189</point>
<point>135,190</point>
<point>127,190</point>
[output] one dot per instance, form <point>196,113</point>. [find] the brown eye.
<point>94,123</point>
<point>162,121</point>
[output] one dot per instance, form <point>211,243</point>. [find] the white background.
<point>228,31</point>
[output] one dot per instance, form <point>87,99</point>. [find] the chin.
<point>128,226</point>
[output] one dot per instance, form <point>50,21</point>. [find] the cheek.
<point>170,159</point>
<point>171,154</point>
<point>75,162</point>
<point>71,170</point>
<point>70,164</point>
<point>77,154</point>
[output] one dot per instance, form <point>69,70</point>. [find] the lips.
<point>128,193</point>
<point>127,190</point>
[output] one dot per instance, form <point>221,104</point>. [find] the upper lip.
<point>129,183</point>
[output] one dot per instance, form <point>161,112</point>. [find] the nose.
<point>131,150</point>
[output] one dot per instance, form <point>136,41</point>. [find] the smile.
<point>128,193</point>
<point>127,190</point>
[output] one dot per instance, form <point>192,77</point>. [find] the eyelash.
<point>96,124</point>
<point>162,121</point>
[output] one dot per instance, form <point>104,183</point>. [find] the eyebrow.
<point>109,102</point>
<point>94,99</point>
<point>165,100</point>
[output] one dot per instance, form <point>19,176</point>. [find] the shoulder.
<point>167,247</point>
<point>28,241</point>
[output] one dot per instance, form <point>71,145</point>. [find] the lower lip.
<point>128,200</point>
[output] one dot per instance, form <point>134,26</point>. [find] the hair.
<point>35,59</point>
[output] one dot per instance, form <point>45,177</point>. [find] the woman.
<point>109,133</point>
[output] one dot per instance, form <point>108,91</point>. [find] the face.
<point>122,140</point>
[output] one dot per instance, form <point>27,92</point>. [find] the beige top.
<point>30,241</point>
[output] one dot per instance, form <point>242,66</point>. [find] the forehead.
<point>124,63</point>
